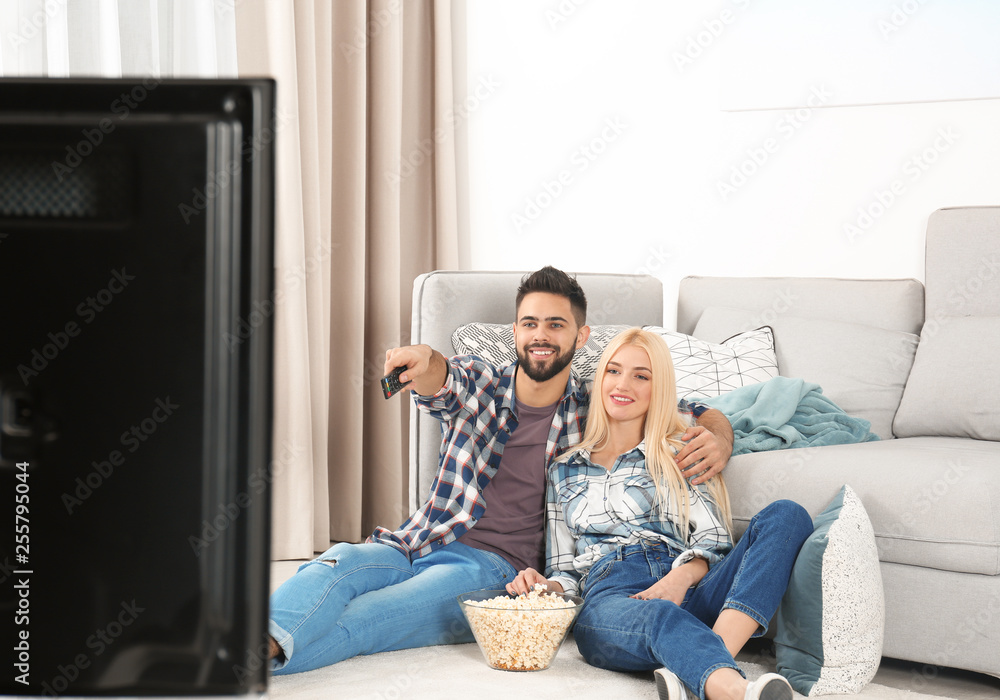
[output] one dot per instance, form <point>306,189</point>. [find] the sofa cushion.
<point>929,498</point>
<point>832,616</point>
<point>702,369</point>
<point>955,381</point>
<point>861,368</point>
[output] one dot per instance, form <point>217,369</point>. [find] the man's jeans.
<point>627,634</point>
<point>364,598</point>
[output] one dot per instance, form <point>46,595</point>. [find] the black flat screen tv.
<point>136,300</point>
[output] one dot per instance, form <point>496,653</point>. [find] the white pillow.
<point>703,369</point>
<point>832,617</point>
<point>953,387</point>
<point>707,369</point>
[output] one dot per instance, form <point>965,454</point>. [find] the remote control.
<point>391,384</point>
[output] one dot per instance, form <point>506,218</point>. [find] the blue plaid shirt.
<point>476,410</point>
<point>592,511</point>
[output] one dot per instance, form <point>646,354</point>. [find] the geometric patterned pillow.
<point>494,342</point>
<point>832,616</point>
<point>705,370</point>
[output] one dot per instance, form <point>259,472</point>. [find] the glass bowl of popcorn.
<point>520,633</point>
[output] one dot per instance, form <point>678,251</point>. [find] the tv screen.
<point>136,255</point>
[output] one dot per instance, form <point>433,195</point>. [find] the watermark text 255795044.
<point>93,137</point>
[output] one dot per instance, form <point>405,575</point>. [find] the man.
<point>484,518</point>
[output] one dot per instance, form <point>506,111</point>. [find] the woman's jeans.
<point>626,634</point>
<point>364,598</point>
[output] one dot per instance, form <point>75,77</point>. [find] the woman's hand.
<point>526,580</point>
<point>674,586</point>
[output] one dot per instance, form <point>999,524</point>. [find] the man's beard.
<point>542,374</point>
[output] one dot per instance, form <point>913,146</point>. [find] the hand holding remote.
<point>391,384</point>
<point>418,366</point>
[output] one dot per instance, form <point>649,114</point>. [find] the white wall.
<point>597,140</point>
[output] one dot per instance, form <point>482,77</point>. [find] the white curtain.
<point>118,38</point>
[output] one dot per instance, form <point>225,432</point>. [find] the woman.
<point>663,584</point>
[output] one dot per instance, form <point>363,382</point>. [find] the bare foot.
<point>273,649</point>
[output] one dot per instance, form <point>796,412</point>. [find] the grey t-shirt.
<point>513,524</point>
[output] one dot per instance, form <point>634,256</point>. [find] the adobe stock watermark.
<point>972,630</point>
<point>254,660</point>
<point>964,292</point>
<point>912,170</point>
<point>656,261</point>
<point>702,40</point>
<point>787,126</point>
<point>373,368</point>
<point>400,685</point>
<point>225,7</point>
<point>130,440</point>
<point>901,351</point>
<point>769,489</point>
<point>581,159</point>
<point>33,25</point>
<point>783,301</point>
<point>86,313</point>
<point>899,17</point>
<point>98,642</point>
<point>6,569</point>
<point>960,295</point>
<point>375,24</point>
<point>261,311</point>
<point>257,482</point>
<point>445,296</point>
<point>562,11</point>
<point>424,149</point>
<point>221,179</point>
<point>927,497</point>
<point>93,137</point>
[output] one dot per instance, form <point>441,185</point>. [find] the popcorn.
<point>522,633</point>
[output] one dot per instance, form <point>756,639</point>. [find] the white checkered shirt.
<point>593,511</point>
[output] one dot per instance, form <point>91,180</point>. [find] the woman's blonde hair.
<point>662,431</point>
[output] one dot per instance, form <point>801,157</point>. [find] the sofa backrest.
<point>962,262</point>
<point>892,304</point>
<point>952,388</point>
<point>445,300</point>
<point>856,339</point>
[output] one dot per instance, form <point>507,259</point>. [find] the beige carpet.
<point>459,672</point>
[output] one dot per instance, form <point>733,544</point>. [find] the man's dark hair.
<point>553,281</point>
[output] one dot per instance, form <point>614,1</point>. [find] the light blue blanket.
<point>784,413</point>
